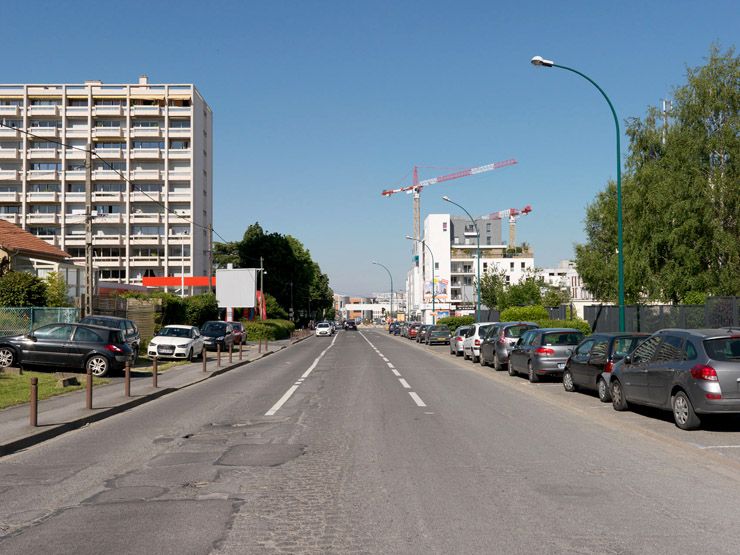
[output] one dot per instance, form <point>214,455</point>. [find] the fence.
<point>717,312</point>
<point>18,321</point>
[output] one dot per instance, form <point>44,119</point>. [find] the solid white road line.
<point>288,394</point>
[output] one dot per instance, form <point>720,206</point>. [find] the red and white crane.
<point>513,214</point>
<point>416,187</point>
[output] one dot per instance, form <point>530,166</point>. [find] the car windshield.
<point>174,332</point>
<point>214,327</point>
<point>725,348</point>
<point>516,331</point>
<point>323,326</point>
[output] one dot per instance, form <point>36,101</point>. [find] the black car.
<point>217,333</point>
<point>128,327</point>
<point>350,325</point>
<point>78,346</point>
<point>596,354</point>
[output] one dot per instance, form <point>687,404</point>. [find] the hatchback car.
<point>78,346</point>
<point>437,334</point>
<point>543,351</point>
<point>350,325</point>
<point>473,338</point>
<point>239,332</point>
<point>217,334</point>
<point>690,372</point>
<point>128,327</point>
<point>412,331</point>
<point>457,339</point>
<point>421,333</point>
<point>496,346</point>
<point>323,329</point>
<point>177,342</point>
<point>595,355</point>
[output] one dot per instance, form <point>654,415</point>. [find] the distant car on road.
<point>498,342</point>
<point>350,325</point>
<point>128,327</point>
<point>79,346</point>
<point>437,334</point>
<point>177,342</point>
<point>690,372</point>
<point>457,339</point>
<point>421,332</point>
<point>473,338</point>
<point>543,351</point>
<point>217,333</point>
<point>323,329</point>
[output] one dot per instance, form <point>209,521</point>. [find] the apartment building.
<point>152,188</point>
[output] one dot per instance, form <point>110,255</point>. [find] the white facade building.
<point>152,188</point>
<point>566,276</point>
<point>452,242</point>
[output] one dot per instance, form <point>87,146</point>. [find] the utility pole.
<point>667,107</point>
<point>210,259</point>
<point>88,232</point>
<point>262,284</point>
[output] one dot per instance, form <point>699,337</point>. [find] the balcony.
<point>42,196</point>
<point>107,196</point>
<point>145,110</point>
<point>179,154</point>
<point>13,111</point>
<point>43,110</point>
<point>179,196</point>
<point>179,110</point>
<point>108,174</point>
<point>146,174</point>
<point>146,132</point>
<point>12,218</point>
<point>103,239</point>
<point>76,111</point>
<point>146,217</point>
<point>107,218</point>
<point>109,153</point>
<point>38,218</point>
<point>75,218</point>
<point>45,132</point>
<point>110,260</point>
<point>9,175</point>
<point>178,239</point>
<point>179,132</point>
<point>74,154</point>
<point>146,239</point>
<point>147,261</point>
<point>75,175</point>
<point>8,153</point>
<point>43,174</point>
<point>10,196</point>
<point>42,153</point>
<point>107,111</point>
<point>72,198</point>
<point>180,174</point>
<point>145,196</point>
<point>108,133</point>
<point>77,132</point>
<point>146,153</point>
<point>9,133</point>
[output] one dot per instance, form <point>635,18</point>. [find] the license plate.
<point>166,350</point>
<point>561,365</point>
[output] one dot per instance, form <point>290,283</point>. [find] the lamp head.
<point>540,61</point>
<point>446,198</point>
<point>410,238</point>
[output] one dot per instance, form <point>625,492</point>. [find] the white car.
<point>183,342</point>
<point>323,328</point>
<point>473,339</point>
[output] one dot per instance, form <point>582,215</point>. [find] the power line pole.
<point>88,232</point>
<point>667,107</point>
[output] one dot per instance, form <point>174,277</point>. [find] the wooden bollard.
<point>127,380</point>
<point>154,372</point>
<point>218,355</point>
<point>34,402</point>
<point>88,389</point>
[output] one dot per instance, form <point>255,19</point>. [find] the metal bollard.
<point>259,350</point>
<point>240,351</point>
<point>127,380</point>
<point>218,355</point>
<point>34,402</point>
<point>88,385</point>
<point>204,356</point>
<point>154,372</point>
<point>231,350</point>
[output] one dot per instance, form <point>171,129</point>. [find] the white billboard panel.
<point>236,287</point>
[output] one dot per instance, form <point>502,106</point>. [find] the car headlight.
<point>152,344</point>
<point>220,338</point>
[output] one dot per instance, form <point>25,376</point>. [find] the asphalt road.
<point>366,443</point>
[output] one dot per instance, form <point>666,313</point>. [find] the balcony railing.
<point>109,152</point>
<point>145,110</point>
<point>43,196</point>
<point>8,153</point>
<point>43,110</point>
<point>146,174</point>
<point>108,175</point>
<point>10,111</point>
<point>43,174</point>
<point>45,132</point>
<point>107,111</point>
<point>12,218</point>
<point>75,175</point>
<point>42,218</point>
<point>106,196</point>
<point>151,153</point>
<point>9,133</point>
<point>42,153</point>
<point>107,132</point>
<point>146,132</point>
<point>10,196</point>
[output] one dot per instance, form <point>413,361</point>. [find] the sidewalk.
<point>63,413</point>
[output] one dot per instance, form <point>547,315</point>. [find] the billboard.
<point>236,287</point>
<point>441,287</point>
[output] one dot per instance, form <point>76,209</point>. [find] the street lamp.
<point>477,251</point>
<point>434,285</point>
<point>390,276</point>
<point>540,61</point>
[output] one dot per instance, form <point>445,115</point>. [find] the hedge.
<point>268,329</point>
<point>524,314</point>
<point>454,322</point>
<point>580,325</point>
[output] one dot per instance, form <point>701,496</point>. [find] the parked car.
<point>690,372</point>
<point>240,334</point>
<point>184,342</point>
<point>421,332</point>
<point>471,344</point>
<point>350,325</point>
<point>437,334</point>
<point>456,340</point>
<point>413,330</point>
<point>393,328</point>
<point>128,327</point>
<point>497,344</point>
<point>217,333</point>
<point>323,329</point>
<point>79,346</point>
<point>543,351</point>
<point>595,355</point>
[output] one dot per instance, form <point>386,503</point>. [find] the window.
<point>108,123</point>
<point>44,102</point>
<point>85,335</point>
<point>149,187</point>
<point>436,265</point>
<point>523,265</point>
<point>54,331</point>
<point>37,145</point>
<point>75,166</point>
<point>77,102</point>
<point>179,145</point>
<point>488,240</point>
<point>179,123</point>
<point>14,123</point>
<point>511,265</point>
<point>103,145</point>
<point>44,188</point>
<point>75,187</point>
<point>585,348</point>
<point>113,274</point>
<point>444,226</point>
<point>148,144</point>
<point>55,124</point>
<point>623,346</point>
<point>670,349</point>
<point>44,230</point>
<point>108,102</point>
<point>10,102</point>
<point>110,166</point>
<point>645,352</point>
<point>49,166</point>
<point>101,210</point>
<point>12,209</point>
<point>145,123</point>
<point>108,187</point>
<point>45,209</point>
<point>599,350</point>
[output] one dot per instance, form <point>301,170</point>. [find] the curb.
<point>55,430</point>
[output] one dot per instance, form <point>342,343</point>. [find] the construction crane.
<point>513,214</point>
<point>416,187</point>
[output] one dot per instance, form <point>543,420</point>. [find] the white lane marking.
<point>288,394</point>
<point>404,383</point>
<point>396,372</point>
<point>390,364</point>
<point>385,359</point>
<point>719,447</point>
<point>417,399</point>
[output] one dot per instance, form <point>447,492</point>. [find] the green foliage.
<point>524,314</point>
<point>18,289</point>
<point>453,322</point>
<point>681,198</point>
<point>274,310</point>
<point>555,296</point>
<point>694,297</point>
<point>268,329</point>
<point>493,288</point>
<point>191,311</point>
<point>526,292</point>
<point>200,309</point>
<point>578,324</point>
<point>56,290</point>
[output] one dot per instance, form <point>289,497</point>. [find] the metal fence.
<point>17,321</point>
<point>717,312</point>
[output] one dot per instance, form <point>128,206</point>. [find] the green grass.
<point>16,390</point>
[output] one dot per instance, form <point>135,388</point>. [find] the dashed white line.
<point>390,364</point>
<point>404,383</point>
<point>396,372</point>
<point>417,399</point>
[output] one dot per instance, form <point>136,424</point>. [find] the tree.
<point>525,293</point>
<point>56,290</point>
<point>493,288</point>
<point>681,200</point>
<point>553,295</point>
<point>19,289</point>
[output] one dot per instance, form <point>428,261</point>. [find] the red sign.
<point>170,281</point>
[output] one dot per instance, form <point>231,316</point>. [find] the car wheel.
<point>191,355</point>
<point>603,390</point>
<point>512,372</point>
<point>7,357</point>
<point>98,365</point>
<point>533,378</point>
<point>135,353</point>
<point>618,400</point>
<point>473,357</point>
<point>482,360</point>
<point>465,355</point>
<point>683,412</point>
<point>568,384</point>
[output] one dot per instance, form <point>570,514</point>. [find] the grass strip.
<point>16,390</point>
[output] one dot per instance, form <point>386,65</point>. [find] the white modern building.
<point>451,242</point>
<point>152,177</point>
<point>566,275</point>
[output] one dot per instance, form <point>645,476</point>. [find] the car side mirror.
<point>628,359</point>
<point>31,337</point>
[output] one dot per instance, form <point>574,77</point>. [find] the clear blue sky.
<point>320,105</point>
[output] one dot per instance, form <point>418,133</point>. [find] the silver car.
<point>689,372</point>
<point>500,340</point>
<point>456,341</point>
<point>473,339</point>
<point>543,351</point>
